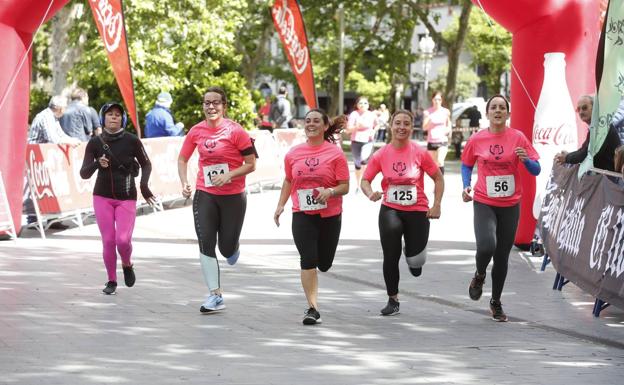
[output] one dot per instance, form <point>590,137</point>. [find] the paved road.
<point>57,328</point>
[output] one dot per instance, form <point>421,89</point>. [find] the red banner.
<point>291,30</point>
<point>108,15</point>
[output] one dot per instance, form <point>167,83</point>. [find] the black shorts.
<point>435,146</point>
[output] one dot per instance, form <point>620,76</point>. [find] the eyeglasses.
<point>216,103</point>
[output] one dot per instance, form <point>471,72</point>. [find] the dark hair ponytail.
<point>336,125</point>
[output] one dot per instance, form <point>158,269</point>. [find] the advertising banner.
<point>582,226</point>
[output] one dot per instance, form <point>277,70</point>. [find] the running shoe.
<point>213,303</point>
<point>392,308</point>
<point>498,315</point>
<point>312,316</point>
<point>476,287</point>
<point>110,288</point>
<point>129,277</point>
<point>231,260</point>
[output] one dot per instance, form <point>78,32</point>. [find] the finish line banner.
<point>582,226</point>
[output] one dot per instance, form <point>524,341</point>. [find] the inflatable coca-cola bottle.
<point>554,127</point>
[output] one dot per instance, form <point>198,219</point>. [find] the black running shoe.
<point>129,277</point>
<point>476,287</point>
<point>312,316</point>
<point>110,288</point>
<point>498,315</point>
<point>392,308</point>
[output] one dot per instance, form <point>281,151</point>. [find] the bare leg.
<point>309,281</point>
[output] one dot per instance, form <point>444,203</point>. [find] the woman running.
<point>437,124</point>
<point>114,155</point>
<point>226,155</point>
<point>317,176</point>
<point>404,212</point>
<point>497,152</point>
<point>361,125</point>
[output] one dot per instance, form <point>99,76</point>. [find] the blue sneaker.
<point>231,260</point>
<point>213,303</point>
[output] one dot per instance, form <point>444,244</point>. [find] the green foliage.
<point>467,81</point>
<point>489,46</point>
<point>376,91</point>
<point>182,47</point>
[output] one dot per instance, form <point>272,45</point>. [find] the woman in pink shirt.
<point>317,176</point>
<point>226,155</point>
<point>437,124</point>
<point>498,153</point>
<point>405,211</point>
<point>361,125</point>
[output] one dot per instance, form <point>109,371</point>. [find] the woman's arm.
<point>284,195</point>
<point>183,175</point>
<point>438,190</point>
<point>247,167</point>
<point>89,163</point>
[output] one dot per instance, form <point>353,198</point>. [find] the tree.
<point>490,47</point>
<point>452,42</point>
<point>467,80</point>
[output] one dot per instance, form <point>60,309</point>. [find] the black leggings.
<point>316,239</point>
<point>218,215</point>
<point>394,224</point>
<point>495,230</point>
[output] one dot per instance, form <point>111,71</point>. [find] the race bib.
<point>362,136</point>
<point>404,195</point>
<point>500,186</point>
<point>307,201</point>
<point>212,171</point>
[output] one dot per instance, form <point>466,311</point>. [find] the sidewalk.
<point>56,327</point>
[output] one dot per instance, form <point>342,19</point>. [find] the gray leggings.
<point>495,230</point>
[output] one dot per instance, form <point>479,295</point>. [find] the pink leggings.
<point>115,220</point>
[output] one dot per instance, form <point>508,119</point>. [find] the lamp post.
<point>426,46</point>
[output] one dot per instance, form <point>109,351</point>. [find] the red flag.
<point>108,15</point>
<point>289,24</point>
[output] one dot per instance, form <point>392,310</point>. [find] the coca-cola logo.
<point>559,136</point>
<point>111,23</point>
<point>40,177</point>
<point>285,20</point>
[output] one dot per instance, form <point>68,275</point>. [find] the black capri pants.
<point>218,217</point>
<point>413,226</point>
<point>316,239</point>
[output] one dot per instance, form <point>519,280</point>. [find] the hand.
<point>375,196</point>
<point>466,194</point>
<point>560,157</point>
<point>152,201</point>
<point>321,195</point>
<point>521,153</point>
<point>434,212</point>
<point>221,179</point>
<point>103,161</point>
<point>278,211</point>
<point>186,190</point>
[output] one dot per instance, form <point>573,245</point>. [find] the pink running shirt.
<point>308,167</point>
<point>367,119</point>
<point>437,125</point>
<point>498,183</point>
<point>219,152</point>
<point>403,171</point>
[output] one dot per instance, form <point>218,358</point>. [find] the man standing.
<point>159,120</point>
<point>45,127</point>
<point>77,121</point>
<point>604,158</point>
<point>280,110</point>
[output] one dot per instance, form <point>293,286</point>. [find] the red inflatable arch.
<point>571,27</point>
<point>19,19</point>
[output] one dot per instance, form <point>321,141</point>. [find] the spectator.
<point>604,157</point>
<point>264,113</point>
<point>77,121</point>
<point>45,127</point>
<point>280,110</point>
<point>159,120</point>
<point>383,116</point>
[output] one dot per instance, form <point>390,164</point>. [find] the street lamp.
<point>426,46</point>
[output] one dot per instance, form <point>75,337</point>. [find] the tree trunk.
<point>251,62</point>
<point>64,54</point>
<point>454,50</point>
